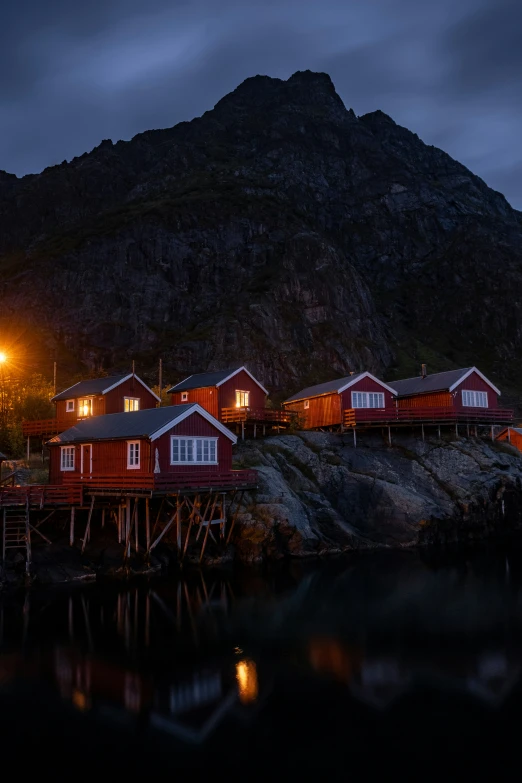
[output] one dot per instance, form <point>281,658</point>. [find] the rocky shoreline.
<point>319,495</point>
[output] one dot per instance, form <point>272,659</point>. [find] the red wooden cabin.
<point>357,399</point>
<point>232,396</point>
<point>160,448</point>
<point>512,435</point>
<point>94,397</point>
<point>456,395</point>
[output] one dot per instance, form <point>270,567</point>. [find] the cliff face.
<point>278,229</point>
<point>320,495</point>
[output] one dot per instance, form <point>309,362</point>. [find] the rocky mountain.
<point>279,229</point>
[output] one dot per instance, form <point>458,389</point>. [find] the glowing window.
<point>131,404</point>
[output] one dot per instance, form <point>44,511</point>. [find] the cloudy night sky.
<point>72,74</point>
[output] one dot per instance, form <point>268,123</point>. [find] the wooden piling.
<point>71,528</point>
<point>147,522</point>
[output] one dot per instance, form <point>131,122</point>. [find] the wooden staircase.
<point>16,533</point>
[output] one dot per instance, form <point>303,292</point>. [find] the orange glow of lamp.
<point>3,357</point>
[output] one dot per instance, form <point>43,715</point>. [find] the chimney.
<point>423,371</point>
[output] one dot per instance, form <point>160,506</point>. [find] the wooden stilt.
<point>242,430</point>
<point>130,526</point>
<point>354,438</point>
<point>165,530</point>
<point>136,523</point>
<point>264,430</point>
<point>202,519</point>
<point>205,540</point>
<point>147,523</point>
<point>158,516</point>
<point>223,516</point>
<point>236,512</point>
<point>389,436</point>
<point>28,448</point>
<point>456,430</point>
<point>422,430</point>
<point>439,430</point>
<point>87,529</point>
<point>71,527</point>
<point>103,518</point>
<point>467,429</point>
<point>255,430</point>
<point>492,436</point>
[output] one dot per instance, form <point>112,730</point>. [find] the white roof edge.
<point>236,372</point>
<point>65,390</point>
<point>194,408</point>
<point>126,378</point>
<point>360,378</point>
<point>481,375</point>
<point>179,382</point>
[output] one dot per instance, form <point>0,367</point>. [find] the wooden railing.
<point>165,481</point>
<point>427,415</point>
<point>42,495</point>
<point>8,480</point>
<point>46,426</point>
<point>276,416</point>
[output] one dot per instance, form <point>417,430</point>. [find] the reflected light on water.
<point>246,675</point>
<point>80,700</point>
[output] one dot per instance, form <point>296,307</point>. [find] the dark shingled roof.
<point>323,388</point>
<point>138,424</point>
<point>439,381</point>
<point>201,380</point>
<point>92,386</point>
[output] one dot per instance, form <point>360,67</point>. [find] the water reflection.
<point>185,660</point>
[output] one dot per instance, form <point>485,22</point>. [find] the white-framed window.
<point>242,399</point>
<point>67,457</point>
<point>184,396</point>
<point>133,454</point>
<point>131,404</point>
<point>69,406</point>
<point>474,399</point>
<point>197,451</point>
<point>306,404</point>
<point>367,400</point>
<point>85,407</point>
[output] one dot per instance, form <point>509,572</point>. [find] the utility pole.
<point>160,379</point>
<point>133,367</point>
<point>54,379</point>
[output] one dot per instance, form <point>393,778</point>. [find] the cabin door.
<point>86,461</point>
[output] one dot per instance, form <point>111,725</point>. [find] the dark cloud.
<point>72,74</point>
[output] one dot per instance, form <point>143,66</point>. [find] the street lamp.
<point>3,357</point>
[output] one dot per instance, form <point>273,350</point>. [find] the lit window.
<point>184,396</point>
<point>69,406</point>
<point>131,404</point>
<point>474,399</point>
<point>67,458</point>
<point>306,404</point>
<point>202,451</point>
<point>133,454</point>
<point>85,408</point>
<point>367,400</point>
<point>242,399</point>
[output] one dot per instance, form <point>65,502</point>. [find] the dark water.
<point>301,668</point>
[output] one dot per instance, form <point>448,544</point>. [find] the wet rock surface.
<point>318,494</point>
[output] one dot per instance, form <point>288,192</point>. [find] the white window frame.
<point>184,396</point>
<point>131,447</point>
<point>193,450</point>
<point>64,452</point>
<point>129,399</point>
<point>240,394</point>
<point>475,399</point>
<point>368,400</point>
<point>69,406</point>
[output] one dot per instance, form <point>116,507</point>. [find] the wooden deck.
<point>46,427</point>
<point>437,415</point>
<point>72,492</point>
<point>276,417</point>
